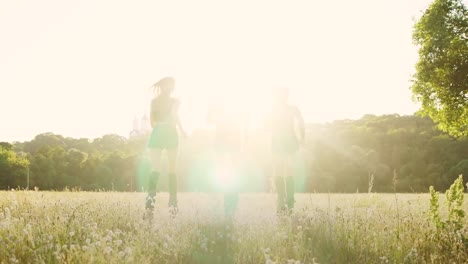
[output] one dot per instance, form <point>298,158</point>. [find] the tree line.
<point>375,153</point>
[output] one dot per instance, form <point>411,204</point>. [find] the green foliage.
<point>441,79</point>
<point>6,145</point>
<point>344,153</point>
<point>450,235</point>
<point>455,196</point>
<point>434,209</point>
<point>12,169</point>
<point>343,156</point>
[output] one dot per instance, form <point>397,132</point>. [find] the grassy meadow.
<point>108,227</point>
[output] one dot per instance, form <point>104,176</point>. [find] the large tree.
<point>441,79</point>
<point>12,168</point>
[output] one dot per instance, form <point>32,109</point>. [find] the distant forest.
<point>375,153</point>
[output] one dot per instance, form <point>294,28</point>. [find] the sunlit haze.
<point>84,68</point>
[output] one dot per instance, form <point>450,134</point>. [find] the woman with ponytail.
<point>166,127</point>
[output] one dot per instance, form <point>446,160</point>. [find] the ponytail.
<point>157,87</point>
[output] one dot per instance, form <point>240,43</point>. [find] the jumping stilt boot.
<point>152,185</point>
<point>290,193</point>
<point>173,209</point>
<point>281,191</point>
<point>231,200</point>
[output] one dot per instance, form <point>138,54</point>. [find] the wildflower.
<point>384,259</point>
<point>107,250</point>
<point>128,251</point>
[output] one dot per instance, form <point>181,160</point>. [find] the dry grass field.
<point>108,227</point>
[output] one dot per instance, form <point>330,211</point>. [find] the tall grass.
<point>81,227</point>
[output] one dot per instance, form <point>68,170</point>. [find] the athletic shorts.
<point>164,136</point>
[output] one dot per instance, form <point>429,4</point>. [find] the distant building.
<point>141,127</point>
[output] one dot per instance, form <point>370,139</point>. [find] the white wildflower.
<point>384,259</point>
<point>107,250</point>
<point>128,251</point>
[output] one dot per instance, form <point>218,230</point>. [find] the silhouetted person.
<point>165,122</point>
<point>287,134</point>
<point>230,132</point>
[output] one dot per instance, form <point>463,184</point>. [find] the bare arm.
<point>300,123</point>
<point>181,129</point>
<point>178,122</point>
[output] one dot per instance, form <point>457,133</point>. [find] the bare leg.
<point>172,157</point>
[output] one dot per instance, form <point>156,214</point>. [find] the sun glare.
<point>226,178</point>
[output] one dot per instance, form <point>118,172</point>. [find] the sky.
<point>83,68</point>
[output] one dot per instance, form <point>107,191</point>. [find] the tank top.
<point>164,110</point>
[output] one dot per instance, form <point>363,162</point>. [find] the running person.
<point>230,133</point>
<point>287,134</point>
<point>165,121</point>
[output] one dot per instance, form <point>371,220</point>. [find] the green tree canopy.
<point>441,79</point>
<point>12,168</point>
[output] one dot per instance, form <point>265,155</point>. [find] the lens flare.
<point>226,178</point>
